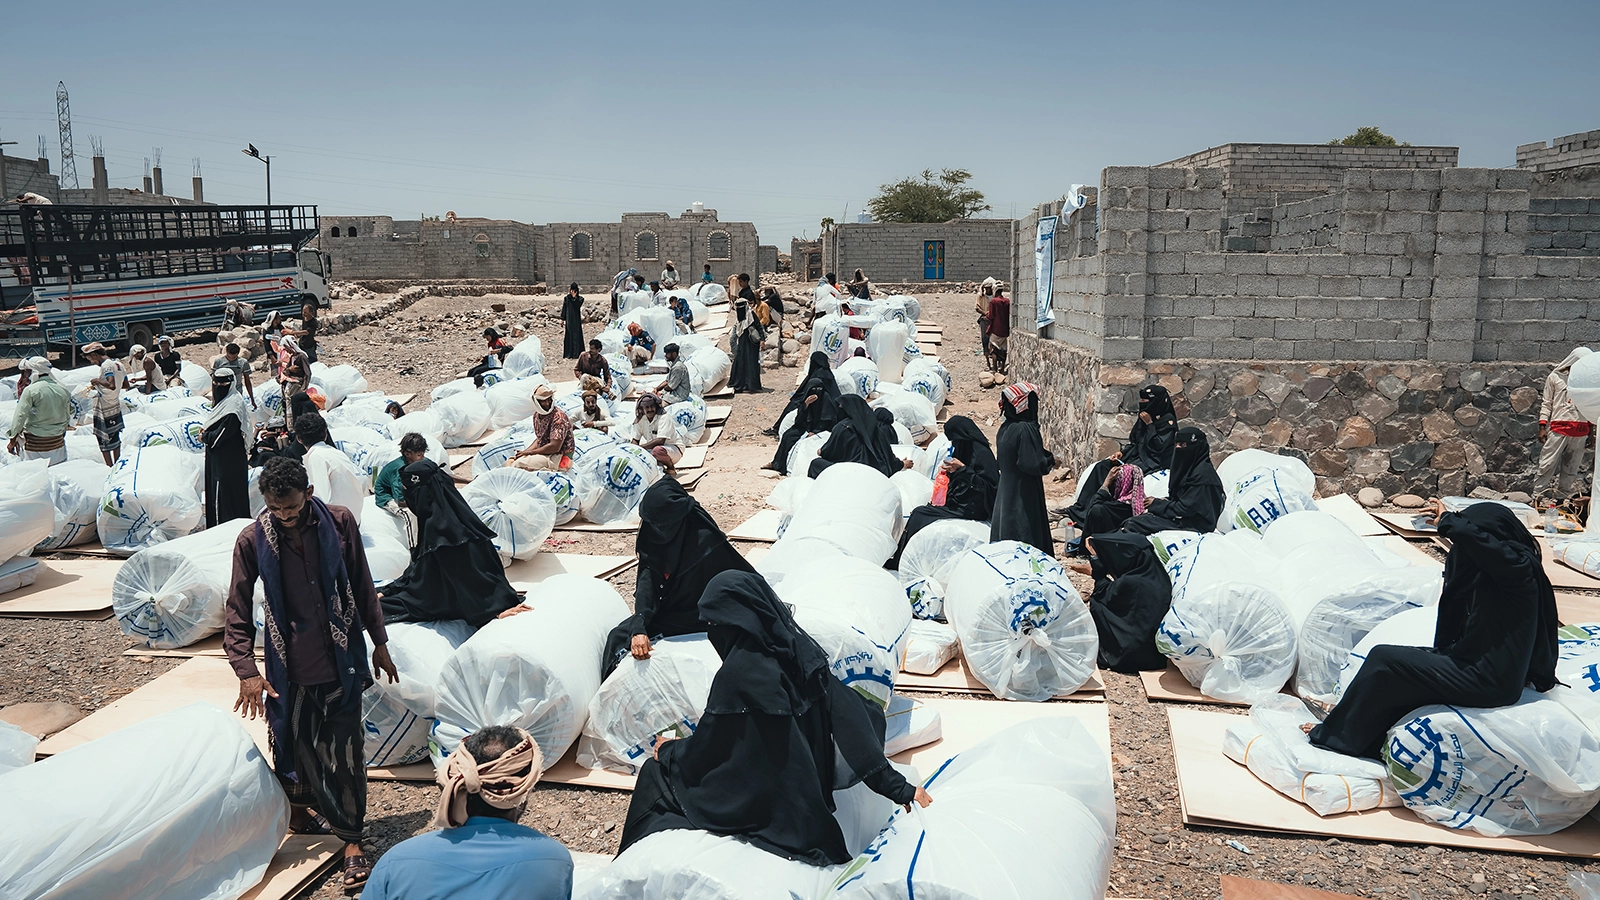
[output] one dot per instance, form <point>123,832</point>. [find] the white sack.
<point>1410,628</point>
<point>857,375</point>
<point>526,358</point>
<point>1270,743</point>
<point>185,432</point>
<point>26,513</point>
<point>1261,497</point>
<point>688,419</point>
<point>337,382</point>
<point>385,540</point>
<point>363,415</point>
<point>451,388</point>
<point>1025,631</point>
<point>495,454</point>
<point>511,401</point>
<point>886,344</point>
<point>152,495</point>
<point>465,417</point>
<point>1342,619</point>
<point>915,488</point>
<point>929,646</point>
<point>396,716</point>
<point>930,556</point>
<point>911,410</point>
<point>612,479</point>
<point>804,451</point>
<point>173,594</point>
<point>679,864</point>
<point>709,368</point>
<point>856,612</point>
<point>642,699</point>
<point>928,379</point>
<point>1240,464</point>
<point>517,506</point>
<point>831,337</point>
<point>854,507</point>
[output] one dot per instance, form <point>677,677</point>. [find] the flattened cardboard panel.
<point>1216,791</point>
<point>1412,553</point>
<point>709,437</point>
<point>717,415</point>
<point>422,771</point>
<point>1236,888</point>
<point>545,565</point>
<point>299,860</point>
<point>755,555</point>
<point>721,393</point>
<point>211,646</point>
<point>954,678</point>
<point>1344,508</point>
<point>65,588</point>
<point>763,526</point>
<point>1576,608</point>
<point>693,457</point>
<point>201,679</point>
<point>1400,523</point>
<point>91,549</point>
<point>1170,686</point>
<point>965,723</point>
<point>615,528</point>
<point>687,482</point>
<point>1562,575</point>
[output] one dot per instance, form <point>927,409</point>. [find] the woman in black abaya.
<point>1132,592</point>
<point>973,475</point>
<point>1150,446</point>
<point>747,337</point>
<point>816,406</point>
<point>572,314</point>
<point>1019,511</point>
<point>857,438</point>
<point>1120,498</point>
<point>1194,492</point>
<point>227,475</point>
<point>455,572</point>
<point>779,735</point>
<point>680,549</point>
<point>1496,635</point>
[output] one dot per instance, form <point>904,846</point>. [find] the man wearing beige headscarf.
<point>481,851</point>
<point>552,445</point>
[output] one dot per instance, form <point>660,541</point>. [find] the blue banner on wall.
<point>1044,266</point>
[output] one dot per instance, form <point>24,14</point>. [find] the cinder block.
<point>1254,328</point>
<point>1426,179</point>
<point>1292,329</point>
<point>1339,286</point>
<point>1123,305</point>
<point>1170,179</point>
<point>1464,179</point>
<point>1522,309</point>
<point>1216,285</point>
<point>1366,264</point>
<point>1190,241</point>
<point>1458,265</point>
<point>1357,308</point>
<point>1396,350</point>
<point>1275,307</point>
<point>1335,329</point>
<point>1269,348</point>
<point>1558,266</point>
<point>1413,330</point>
<point>1322,351</point>
<point>1454,307</point>
<point>1354,350</point>
<point>1244,263</point>
<point>1544,330</point>
<point>1507,201</point>
<point>1172,327</point>
<point>1457,201</point>
<point>1449,351</point>
<point>1392,179</point>
<point>1120,348</point>
<point>1238,307</point>
<point>1366,201</point>
<point>1504,244</point>
<point>1213,327</point>
<point>1203,263</point>
<point>1500,331</point>
<point>1329,264</point>
<point>1287,265</point>
<point>1192,347</point>
<point>1165,264</point>
<point>1258,285</point>
<point>1411,201</point>
<point>1384,286</point>
<point>1377,329</point>
<point>1234,348</point>
<point>1124,177</point>
<point>1519,351</point>
<point>1582,330</point>
<point>1192,306</point>
<point>1497,288</point>
<point>1453,330</point>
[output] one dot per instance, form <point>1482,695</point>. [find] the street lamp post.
<point>253,152</point>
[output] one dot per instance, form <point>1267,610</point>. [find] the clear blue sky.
<point>776,113</point>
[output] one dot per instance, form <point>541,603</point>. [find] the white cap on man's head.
<point>38,365</point>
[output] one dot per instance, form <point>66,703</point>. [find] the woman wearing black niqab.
<point>816,406</point>
<point>1194,492</point>
<point>455,571</point>
<point>680,549</point>
<point>857,438</point>
<point>1496,634</point>
<point>885,419</point>
<point>572,314</point>
<point>745,342</point>
<point>1150,446</point>
<point>1019,511</point>
<point>779,735</point>
<point>226,472</point>
<point>973,475</point>
<point>1132,592</point>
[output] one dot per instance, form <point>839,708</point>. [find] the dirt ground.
<point>1157,856</point>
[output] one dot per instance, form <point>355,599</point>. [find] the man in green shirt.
<point>390,496</point>
<point>39,425</point>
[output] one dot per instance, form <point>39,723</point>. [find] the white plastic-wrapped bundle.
<point>180,806</point>
<point>385,539</point>
<point>612,479</point>
<point>804,451</point>
<point>187,434</point>
<point>1270,743</point>
<point>855,508</point>
<point>886,344</point>
<point>1043,784</point>
<point>526,358</point>
<point>611,341</point>
<point>1409,628</point>
<point>425,422</point>
<point>1025,631</point>
<point>688,419</point>
<point>465,417</point>
<point>537,670</point>
<point>709,368</point>
<point>929,645</point>
<point>1240,464</point>
<point>857,613</point>
<point>1529,768</point>
<point>1261,497</point>
<point>679,863</point>
<point>496,454</point>
<point>76,487</point>
<point>643,699</point>
<point>451,388</point>
<point>915,488</point>
<point>1157,484</point>
<point>176,409</point>
<point>337,382</point>
<point>584,441</point>
<point>362,415</point>
<point>925,378</point>
<point>517,506</point>
<point>699,313</point>
<point>929,558</point>
<point>1228,630</point>
<point>1581,553</point>
<point>621,373</point>
<point>831,336</point>
<point>934,455</point>
<point>398,715</point>
<point>911,410</point>
<point>172,594</point>
<point>16,747</point>
<point>362,446</point>
<point>857,375</point>
<point>1341,619</point>
<point>628,301</point>
<point>269,401</point>
<point>656,321</point>
<point>195,377</point>
<point>26,513</point>
<point>563,493</point>
<point>710,293</point>
<point>512,401</point>
<point>152,495</point>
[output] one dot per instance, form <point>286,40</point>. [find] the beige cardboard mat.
<point>545,565</point>
<point>1170,686</point>
<point>298,862</point>
<point>1401,524</point>
<point>1576,608</point>
<point>954,678</point>
<point>92,548</point>
<point>211,646</point>
<point>65,589</point>
<point>689,480</point>
<point>708,437</point>
<point>1406,550</point>
<point>763,526</point>
<point>693,457</point>
<point>1218,792</point>
<point>201,679</point>
<point>1562,575</point>
<point>614,528</point>
<point>717,415</point>
<point>965,723</point>
<point>1344,508</point>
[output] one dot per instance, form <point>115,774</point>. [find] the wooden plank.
<point>300,859</point>
<point>529,572</point>
<point>1344,508</point>
<point>1217,792</point>
<point>763,526</point>
<point>201,679</point>
<point>1169,686</point>
<point>955,678</point>
<point>65,588</point>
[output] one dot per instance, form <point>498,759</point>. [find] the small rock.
<point>1370,497</point>
<point>1477,887</point>
<point>1519,497</point>
<point>986,380</point>
<point>1484,493</point>
<point>1409,501</point>
<point>1160,839</point>
<point>1410,870</point>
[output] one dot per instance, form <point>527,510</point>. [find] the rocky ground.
<point>434,338</point>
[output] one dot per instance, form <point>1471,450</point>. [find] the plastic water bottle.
<point>1550,520</point>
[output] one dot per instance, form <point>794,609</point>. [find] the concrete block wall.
<point>1257,175</point>
<point>974,249</point>
<point>805,259</point>
<point>1566,226</point>
<point>766,260</point>
<point>29,176</point>
<point>685,240</point>
<point>1567,152</point>
<point>1079,286</point>
<point>1304,226</point>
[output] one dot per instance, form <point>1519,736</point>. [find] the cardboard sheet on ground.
<point>689,480</point>
<point>967,722</point>
<point>201,678</point>
<point>1576,608</point>
<point>1560,574</point>
<point>65,589</point>
<point>718,415</point>
<point>211,646</point>
<point>1345,508</point>
<point>299,860</point>
<point>1236,888</point>
<point>546,565</point>
<point>693,457</point>
<point>402,399</point>
<point>1169,685</point>
<point>91,549</point>
<point>1218,792</point>
<point>708,437</point>
<point>763,526</point>
<point>1411,553</point>
<point>1401,524</point>
<point>581,525</point>
<point>955,679</point>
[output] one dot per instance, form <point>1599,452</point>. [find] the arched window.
<point>481,244</point>
<point>582,246</point>
<point>645,245</point>
<point>333,233</point>
<point>719,246</point>
<point>351,231</point>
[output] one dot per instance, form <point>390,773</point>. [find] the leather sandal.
<point>357,869</point>
<point>316,824</point>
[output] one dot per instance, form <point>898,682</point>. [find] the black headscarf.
<point>818,380</point>
<point>1155,400</point>
<point>1132,592</point>
<point>856,438</point>
<point>885,419</point>
<point>1150,443</point>
<point>1191,462</point>
<point>779,667</point>
<point>972,487</point>
<point>1473,605</point>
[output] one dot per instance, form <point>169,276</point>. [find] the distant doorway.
<point>933,260</point>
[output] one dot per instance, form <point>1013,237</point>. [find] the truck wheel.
<point>144,333</point>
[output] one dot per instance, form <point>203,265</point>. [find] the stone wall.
<point>1567,152</point>
<point>766,260</point>
<point>689,241</point>
<point>1067,379</point>
<point>974,249</point>
<point>1256,175</point>
<point>805,260</point>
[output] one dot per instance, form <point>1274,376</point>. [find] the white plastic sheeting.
<point>927,379</point>
<point>1270,743</point>
<point>915,488</point>
<point>563,492</point>
<point>1581,553</point>
<point>857,375</point>
<point>1261,497</point>
<point>517,506</point>
<point>172,594</point>
<point>364,415</point>
<point>526,358</point>
<point>396,716</point>
<point>1228,631</point>
<point>688,419</point>
<point>709,368</point>
<point>911,410</point>
<point>465,417</point>
<point>1025,631</point>
<point>804,452</point>
<point>497,453</point>
<point>929,646</point>
<point>857,613</point>
<point>384,538</point>
<point>511,401</point>
<point>152,495</point>
<point>929,558</point>
<point>1242,463</point>
<point>854,507</point>
<point>26,514</point>
<point>181,806</point>
<point>538,670</point>
<point>831,337</point>
<point>16,747</point>
<point>450,389</point>
<point>611,480</point>
<point>643,699</point>
<point>886,344</point>
<point>1043,785</point>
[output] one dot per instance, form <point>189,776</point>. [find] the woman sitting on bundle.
<point>1120,497</point>
<point>1150,447</point>
<point>816,409</point>
<point>1194,492</point>
<point>859,438</point>
<point>973,477</point>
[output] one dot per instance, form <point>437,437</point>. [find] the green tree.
<point>1367,136</point>
<point>929,198</point>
